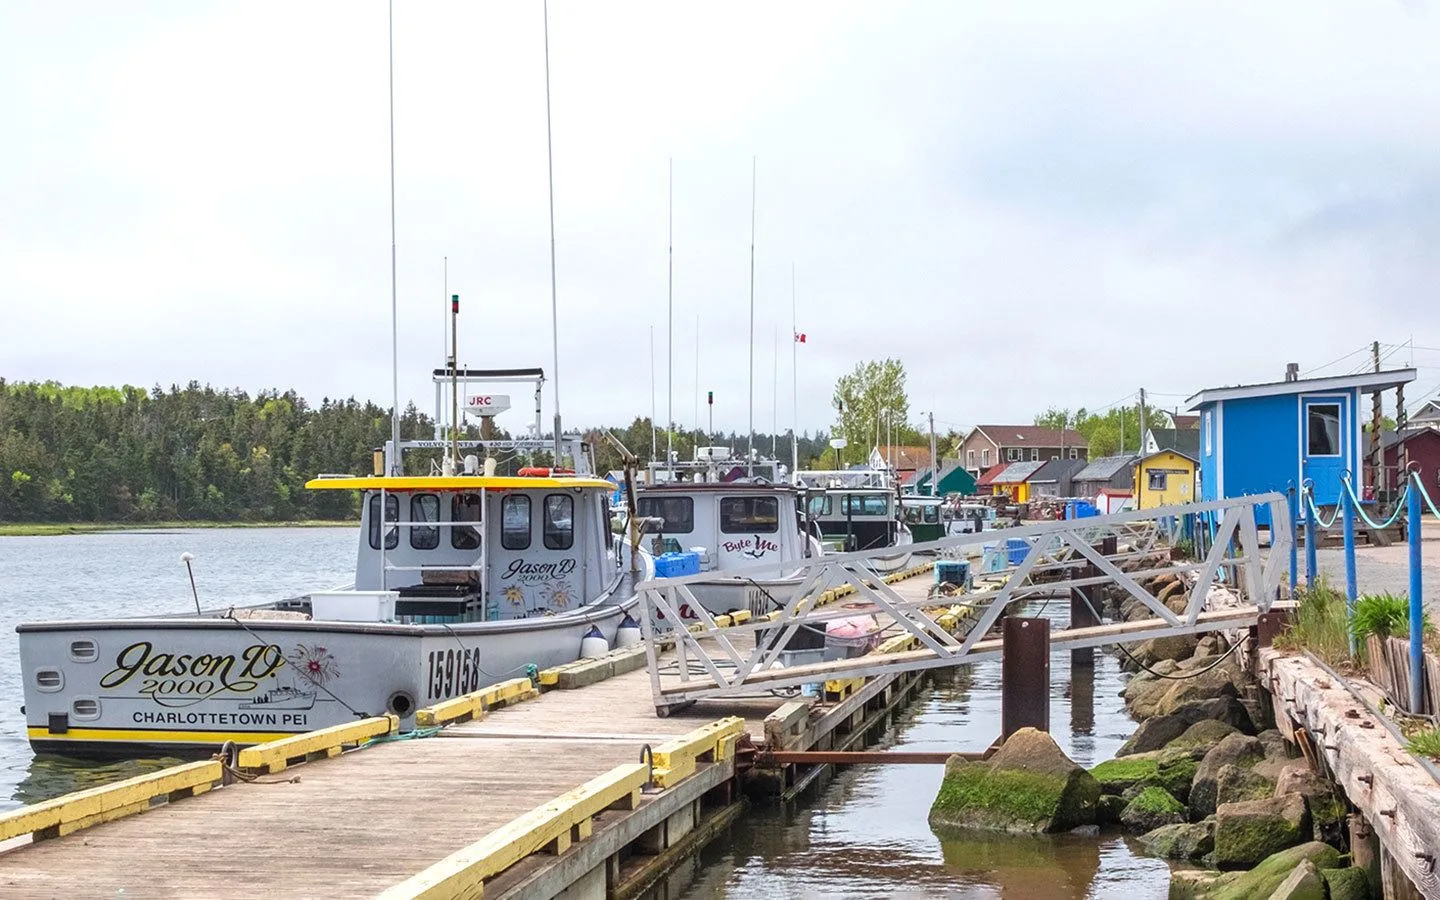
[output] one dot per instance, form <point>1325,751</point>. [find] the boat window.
<point>559,522</point>
<point>1323,432</point>
<point>865,505</point>
<point>515,522</point>
<point>749,515</point>
<point>821,506</point>
<point>465,508</point>
<point>424,508</point>
<point>678,512</point>
<point>911,514</point>
<point>392,514</point>
<point>932,515</point>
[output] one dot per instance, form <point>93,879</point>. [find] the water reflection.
<point>865,833</point>
<point>50,776</point>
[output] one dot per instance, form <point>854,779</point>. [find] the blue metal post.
<point>1309,541</point>
<point>1294,553</point>
<point>1347,512</point>
<point>1413,528</point>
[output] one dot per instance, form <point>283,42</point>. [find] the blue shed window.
<point>1322,429</point>
<point>1209,433</point>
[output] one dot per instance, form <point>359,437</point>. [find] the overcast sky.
<point>1028,204</point>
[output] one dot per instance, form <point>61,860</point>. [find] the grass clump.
<point>1384,615</point>
<point>1319,624</point>
<point>1426,743</point>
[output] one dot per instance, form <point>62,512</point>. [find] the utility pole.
<point>934,461</point>
<point>1142,420</point>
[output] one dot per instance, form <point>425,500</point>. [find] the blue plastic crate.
<point>677,565</point>
<point>1016,549</point>
<point>952,571</point>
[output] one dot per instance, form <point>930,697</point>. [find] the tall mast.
<point>670,318</point>
<point>396,466</point>
<point>554,303</point>
<point>775,396</point>
<point>750,456</point>
<point>653,450</point>
<point>794,381</point>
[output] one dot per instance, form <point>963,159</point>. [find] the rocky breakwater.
<point>1207,779</point>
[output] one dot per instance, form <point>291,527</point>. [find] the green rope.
<point>1355,501</point>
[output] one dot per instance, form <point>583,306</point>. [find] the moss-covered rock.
<point>1153,734</point>
<point>1181,840</point>
<point>1249,831</point>
<point>1029,785</point>
<point>1202,736</point>
<point>1260,882</point>
<point>1108,809</point>
<point>1117,775</point>
<point>1303,883</point>
<point>1150,809</point>
<point>1350,883</point>
<point>1327,810</point>
<point>1177,776</point>
<point>1236,783</point>
<point>1235,750</point>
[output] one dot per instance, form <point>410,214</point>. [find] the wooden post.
<point>1024,675</point>
<point>1365,850</point>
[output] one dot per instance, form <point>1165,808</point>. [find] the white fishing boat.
<point>857,510</point>
<point>461,580</point>
<point>717,514</point>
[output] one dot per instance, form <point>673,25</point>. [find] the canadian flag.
<point>799,337</point>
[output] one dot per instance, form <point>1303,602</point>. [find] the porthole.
<point>84,651</point>
<point>49,680</point>
<point>85,708</point>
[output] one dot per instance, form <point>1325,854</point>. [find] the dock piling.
<point>1025,675</point>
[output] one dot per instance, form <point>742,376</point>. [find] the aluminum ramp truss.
<point>729,659</point>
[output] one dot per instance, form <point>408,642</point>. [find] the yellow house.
<point>1165,478</point>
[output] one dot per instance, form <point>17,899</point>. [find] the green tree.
<point>869,400</point>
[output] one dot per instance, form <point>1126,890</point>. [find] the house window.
<point>969,459</point>
<point>515,522</point>
<point>985,458</point>
<point>392,514</point>
<point>1156,481</point>
<point>749,515</point>
<point>1322,429</point>
<point>1034,454</point>
<point>559,522</point>
<point>465,508</point>
<point>1074,453</point>
<point>1012,454</point>
<point>424,508</point>
<point>678,513</point>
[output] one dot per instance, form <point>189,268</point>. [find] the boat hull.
<point>176,686</point>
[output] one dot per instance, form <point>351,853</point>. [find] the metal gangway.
<point>729,656</point>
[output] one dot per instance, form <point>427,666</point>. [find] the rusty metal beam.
<point>1025,675</point>
<point>856,757</point>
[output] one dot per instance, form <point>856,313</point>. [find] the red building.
<point>1418,448</point>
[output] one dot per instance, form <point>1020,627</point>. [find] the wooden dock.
<point>583,790</point>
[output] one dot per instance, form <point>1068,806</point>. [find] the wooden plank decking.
<point>358,823</point>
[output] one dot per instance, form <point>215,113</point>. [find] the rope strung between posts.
<point>1315,511</point>
<point>1356,505</point>
<point>1424,494</point>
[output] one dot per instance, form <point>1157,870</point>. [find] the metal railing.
<point>711,661</point>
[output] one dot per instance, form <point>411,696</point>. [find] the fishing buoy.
<point>593,645</point>
<point>628,634</point>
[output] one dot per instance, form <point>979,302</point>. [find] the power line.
<point>1334,361</point>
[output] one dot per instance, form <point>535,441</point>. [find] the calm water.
<point>861,834</point>
<point>131,574</point>
<point>864,833</point>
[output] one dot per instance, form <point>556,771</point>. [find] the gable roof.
<point>1162,451</point>
<point>1056,469</point>
<point>905,458</point>
<point>1185,422</point>
<point>1186,443</point>
<point>990,474</point>
<point>1105,468</point>
<point>1017,473</point>
<point>1429,411</point>
<point>1031,436</point>
<point>1369,381</point>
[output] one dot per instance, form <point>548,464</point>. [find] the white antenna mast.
<point>396,466</point>
<point>554,303</point>
<point>750,456</point>
<point>794,381</point>
<point>444,326</point>
<point>775,395</point>
<point>654,451</point>
<point>670,321</point>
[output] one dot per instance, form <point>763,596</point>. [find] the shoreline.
<point>60,529</point>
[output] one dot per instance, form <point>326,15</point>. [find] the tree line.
<point>197,453</point>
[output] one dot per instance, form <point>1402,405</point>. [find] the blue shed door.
<point>1323,445</point>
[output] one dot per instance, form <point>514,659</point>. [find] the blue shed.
<point>1257,438</point>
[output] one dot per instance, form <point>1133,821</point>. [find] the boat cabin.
<point>474,548</point>
<point>730,524</point>
<point>925,516</point>
<point>853,519</point>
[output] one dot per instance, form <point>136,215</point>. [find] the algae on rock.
<point>1029,785</point>
<point>1152,808</point>
<point>1260,882</point>
<point>1249,831</point>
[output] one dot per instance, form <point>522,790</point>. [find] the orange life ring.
<point>542,472</point>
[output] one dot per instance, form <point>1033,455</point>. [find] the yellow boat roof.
<point>457,483</point>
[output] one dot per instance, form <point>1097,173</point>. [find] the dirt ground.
<point>1386,569</point>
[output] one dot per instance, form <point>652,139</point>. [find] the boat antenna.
<point>670,320</point>
<point>454,384</point>
<point>395,462</point>
<point>654,451</point>
<point>794,381</point>
<point>554,303</point>
<point>775,394</point>
<point>444,326</point>
<point>185,558</point>
<point>750,456</point>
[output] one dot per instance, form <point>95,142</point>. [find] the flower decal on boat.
<point>515,594</point>
<point>315,662</point>
<point>557,594</point>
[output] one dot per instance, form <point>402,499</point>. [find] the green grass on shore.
<point>32,529</point>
